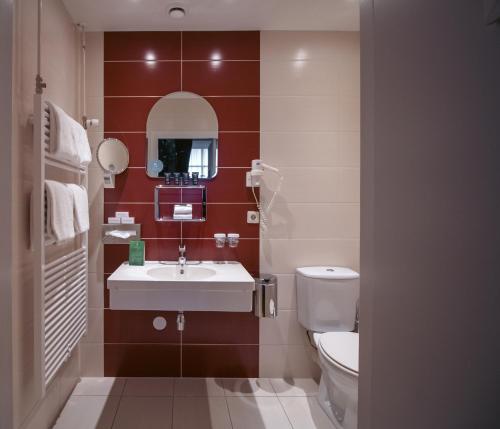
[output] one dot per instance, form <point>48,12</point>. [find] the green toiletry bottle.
<point>136,252</point>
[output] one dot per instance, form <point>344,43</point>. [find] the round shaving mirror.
<point>112,156</point>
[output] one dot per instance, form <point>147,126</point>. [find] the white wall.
<point>310,129</point>
<point>60,68</point>
<point>430,325</point>
<point>92,347</point>
<point>6,28</point>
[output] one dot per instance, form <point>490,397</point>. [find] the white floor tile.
<point>149,387</point>
<point>294,386</point>
<point>305,413</point>
<point>248,387</point>
<point>144,413</point>
<point>257,413</point>
<point>201,413</point>
<point>88,412</point>
<point>99,386</point>
<point>198,387</point>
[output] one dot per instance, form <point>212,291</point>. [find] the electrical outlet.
<point>253,217</point>
<point>249,180</point>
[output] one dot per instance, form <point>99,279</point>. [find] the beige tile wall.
<point>310,122</point>
<point>60,68</point>
<point>92,348</point>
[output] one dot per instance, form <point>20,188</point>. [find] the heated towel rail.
<point>61,283</point>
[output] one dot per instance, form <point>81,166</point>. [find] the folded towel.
<point>183,209</point>
<point>68,139</point>
<point>62,143</point>
<point>59,211</point>
<point>82,145</point>
<point>183,216</point>
<point>121,234</point>
<point>80,208</point>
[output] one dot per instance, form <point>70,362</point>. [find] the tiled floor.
<point>193,403</point>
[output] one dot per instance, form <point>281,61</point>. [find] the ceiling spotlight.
<point>177,12</point>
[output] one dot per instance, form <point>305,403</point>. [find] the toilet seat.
<point>341,349</point>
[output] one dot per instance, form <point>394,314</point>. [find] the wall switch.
<point>253,217</point>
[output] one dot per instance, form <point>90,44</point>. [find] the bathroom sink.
<point>207,286</point>
<point>191,272</point>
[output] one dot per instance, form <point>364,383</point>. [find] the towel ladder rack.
<point>61,294</point>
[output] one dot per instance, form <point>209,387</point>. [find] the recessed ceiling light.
<point>177,12</point>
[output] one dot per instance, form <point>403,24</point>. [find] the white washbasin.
<point>209,286</point>
<point>191,272</point>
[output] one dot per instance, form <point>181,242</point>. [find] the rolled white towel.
<point>183,216</point>
<point>80,208</point>
<point>181,209</point>
<point>59,217</point>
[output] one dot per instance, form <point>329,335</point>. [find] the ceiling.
<point>116,15</point>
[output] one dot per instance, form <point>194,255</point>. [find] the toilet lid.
<point>328,273</point>
<point>342,348</point>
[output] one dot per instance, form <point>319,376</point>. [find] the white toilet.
<point>326,303</point>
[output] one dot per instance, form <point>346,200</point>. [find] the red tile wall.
<point>139,68</point>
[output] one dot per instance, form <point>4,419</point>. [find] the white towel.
<point>59,211</point>
<point>80,208</point>
<point>183,209</point>
<point>183,216</point>
<point>62,143</point>
<point>82,145</point>
<point>68,139</point>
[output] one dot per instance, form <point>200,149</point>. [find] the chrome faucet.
<point>182,258</point>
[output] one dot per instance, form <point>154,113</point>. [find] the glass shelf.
<point>168,196</point>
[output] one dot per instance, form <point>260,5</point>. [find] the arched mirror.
<point>182,133</point>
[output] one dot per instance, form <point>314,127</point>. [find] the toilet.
<point>326,304</point>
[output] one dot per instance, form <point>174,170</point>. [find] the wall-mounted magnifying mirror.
<point>112,155</point>
<point>182,132</point>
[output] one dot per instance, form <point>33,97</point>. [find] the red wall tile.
<point>142,360</point>
<point>127,114</point>
<point>247,252</point>
<point>135,186</point>
<point>220,361</point>
<point>220,328</point>
<point>238,149</point>
<point>237,113</point>
<point>144,78</point>
<point>114,256</point>
<point>234,45</point>
<point>106,291</point>
<point>132,86</point>
<point>144,214</point>
<point>221,77</point>
<point>136,145</point>
<point>136,326</point>
<point>223,218</point>
<point>139,45</point>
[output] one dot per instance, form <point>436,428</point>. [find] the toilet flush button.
<point>159,323</point>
